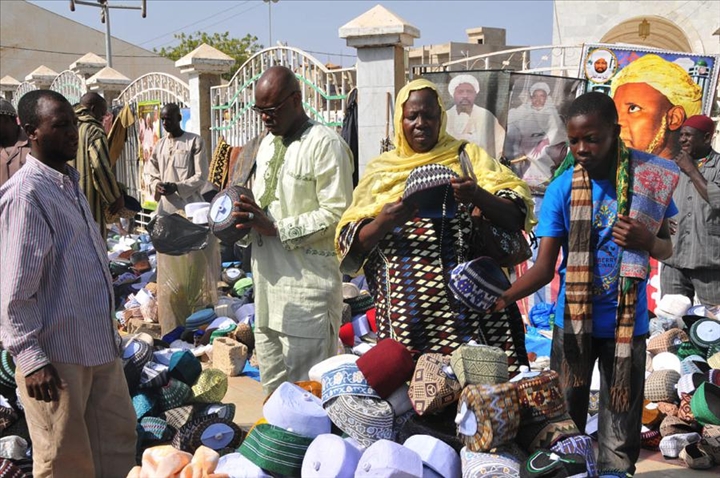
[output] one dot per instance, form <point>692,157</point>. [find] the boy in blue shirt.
<point>602,305</point>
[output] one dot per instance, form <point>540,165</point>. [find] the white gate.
<point>150,87</point>
<point>324,93</point>
<point>21,90</point>
<point>70,85</point>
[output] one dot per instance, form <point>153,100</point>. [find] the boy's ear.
<point>675,118</point>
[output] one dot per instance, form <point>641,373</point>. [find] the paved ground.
<point>248,397</point>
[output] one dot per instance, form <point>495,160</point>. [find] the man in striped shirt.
<point>55,306</point>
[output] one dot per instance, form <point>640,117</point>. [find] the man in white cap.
<point>14,145</point>
<point>468,121</point>
<point>533,127</point>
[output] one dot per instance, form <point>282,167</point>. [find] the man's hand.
<point>44,384</point>
<point>394,214</point>
<point>117,205</point>
<point>464,190</point>
<point>632,234</point>
<point>685,162</point>
<point>673,224</point>
<point>170,188</point>
<point>253,217</point>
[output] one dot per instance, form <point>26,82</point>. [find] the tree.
<point>239,48</point>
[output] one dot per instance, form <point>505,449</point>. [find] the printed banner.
<point>654,91</point>
<point>535,142</point>
<point>476,103</point>
<point>149,131</point>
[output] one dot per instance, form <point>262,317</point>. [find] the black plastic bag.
<point>174,235</point>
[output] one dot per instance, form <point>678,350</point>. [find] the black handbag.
<point>507,248</point>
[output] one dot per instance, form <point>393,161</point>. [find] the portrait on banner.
<point>535,140</point>
<point>476,105</point>
<point>654,91</point>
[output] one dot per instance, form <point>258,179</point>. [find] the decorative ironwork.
<point>324,93</point>
<point>70,85</point>
<point>24,87</point>
<point>555,59</point>
<point>155,86</point>
<point>150,87</point>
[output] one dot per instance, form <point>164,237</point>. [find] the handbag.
<point>507,248</point>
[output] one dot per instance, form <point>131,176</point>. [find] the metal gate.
<point>324,93</point>
<point>70,85</point>
<point>21,90</point>
<point>150,87</point>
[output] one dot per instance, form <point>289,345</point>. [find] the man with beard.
<point>654,97</point>
<point>302,186</point>
<point>694,267</point>
<point>532,128</point>
<point>470,122</point>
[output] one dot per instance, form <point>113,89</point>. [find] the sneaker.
<point>545,463</point>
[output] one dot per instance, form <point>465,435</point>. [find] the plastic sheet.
<point>187,283</point>
<point>174,235</point>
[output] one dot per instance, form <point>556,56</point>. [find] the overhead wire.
<point>193,23</point>
<point>214,24</point>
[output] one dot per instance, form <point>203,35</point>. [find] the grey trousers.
<point>618,433</point>
<point>688,282</point>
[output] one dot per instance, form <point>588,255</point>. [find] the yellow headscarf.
<point>668,78</point>
<point>385,176</point>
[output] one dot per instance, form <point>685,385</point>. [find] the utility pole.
<point>270,2</point>
<point>105,7</point>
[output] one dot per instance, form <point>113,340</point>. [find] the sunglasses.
<point>272,111</point>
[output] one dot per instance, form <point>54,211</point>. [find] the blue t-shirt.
<point>555,222</point>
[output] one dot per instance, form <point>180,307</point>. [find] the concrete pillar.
<point>380,38</point>
<point>109,83</point>
<point>8,85</point>
<point>204,66</point>
<point>87,65</point>
<point>42,77</point>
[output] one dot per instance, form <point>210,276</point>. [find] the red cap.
<point>386,366</point>
<point>370,314</point>
<point>347,335</point>
<point>701,123</point>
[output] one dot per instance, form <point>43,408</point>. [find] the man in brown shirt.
<point>14,144</point>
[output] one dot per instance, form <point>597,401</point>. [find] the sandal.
<point>695,457</point>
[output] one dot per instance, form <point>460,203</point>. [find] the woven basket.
<point>229,356</point>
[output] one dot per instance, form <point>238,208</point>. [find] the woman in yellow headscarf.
<point>407,260</point>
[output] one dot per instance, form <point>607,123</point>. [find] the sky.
<point>313,25</point>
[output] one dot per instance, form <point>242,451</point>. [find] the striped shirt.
<point>55,288</point>
<point>696,243</point>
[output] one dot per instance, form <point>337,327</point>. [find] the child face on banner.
<point>646,117</point>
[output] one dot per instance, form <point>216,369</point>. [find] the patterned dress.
<point>408,275</point>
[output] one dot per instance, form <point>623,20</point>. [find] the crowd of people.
<point>607,209</point>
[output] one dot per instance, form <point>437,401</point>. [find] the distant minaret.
<point>700,74</point>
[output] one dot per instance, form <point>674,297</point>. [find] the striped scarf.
<point>578,289</point>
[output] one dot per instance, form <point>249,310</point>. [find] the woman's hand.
<point>499,305</point>
<point>464,189</point>
<point>629,233</point>
<point>394,214</point>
